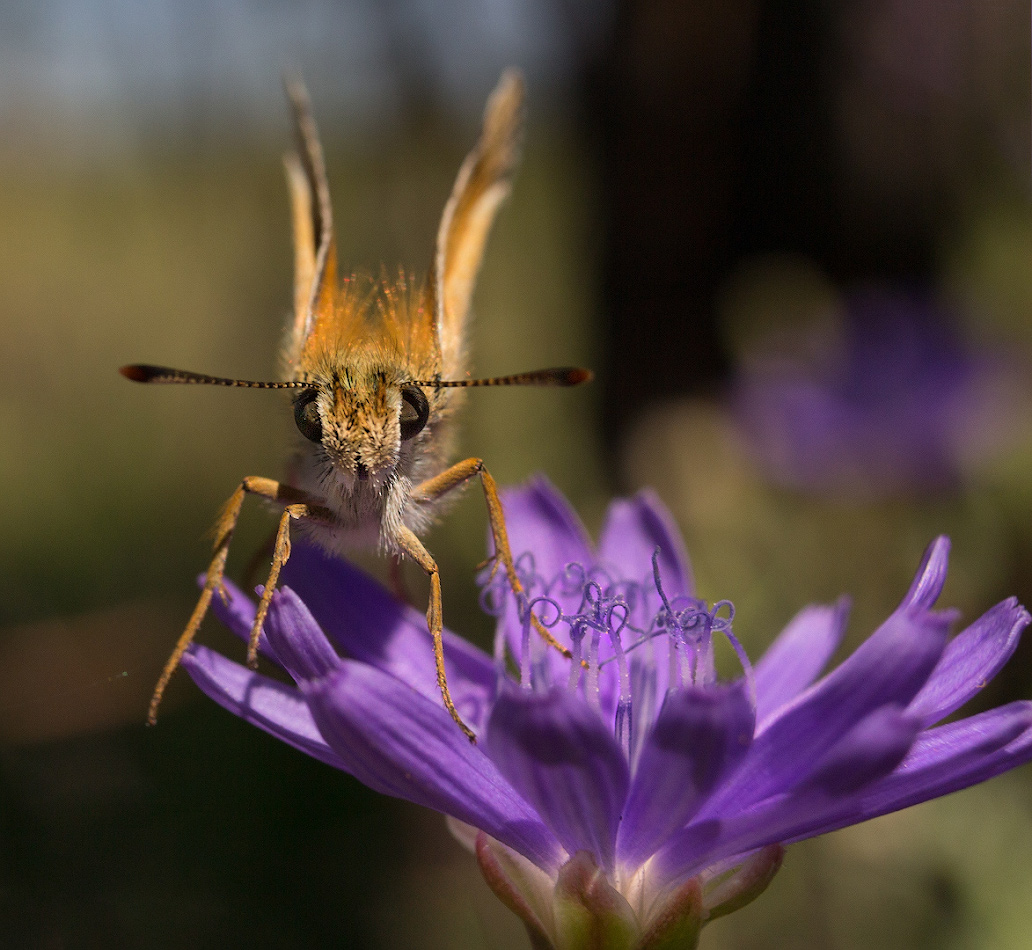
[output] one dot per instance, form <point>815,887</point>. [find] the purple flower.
<point>900,401</point>
<point>630,792</point>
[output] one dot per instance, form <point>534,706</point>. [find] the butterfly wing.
<point>315,251</point>
<point>483,182</point>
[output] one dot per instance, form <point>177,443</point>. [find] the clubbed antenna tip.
<point>138,374</point>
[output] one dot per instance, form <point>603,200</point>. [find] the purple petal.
<point>699,736</point>
<point>298,640</point>
<point>970,661</point>
<point>930,578</point>
<point>634,528</point>
<point>545,535</point>
<point>797,657</point>
<point>888,668</point>
<point>238,615</point>
<point>941,761</point>
<point>556,750</point>
<point>870,750</point>
<point>955,756</point>
<point>541,521</point>
<point>399,743</point>
<point>277,708</point>
<point>366,623</point>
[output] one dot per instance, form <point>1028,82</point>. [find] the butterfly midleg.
<point>413,547</point>
<point>298,504</point>
<point>456,477</point>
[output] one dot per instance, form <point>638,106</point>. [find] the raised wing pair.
<point>378,370</point>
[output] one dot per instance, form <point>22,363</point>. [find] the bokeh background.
<point>707,189</point>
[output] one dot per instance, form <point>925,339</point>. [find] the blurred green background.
<point>675,152</point>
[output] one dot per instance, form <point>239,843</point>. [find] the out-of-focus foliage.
<point>110,488</point>
<point>143,217</point>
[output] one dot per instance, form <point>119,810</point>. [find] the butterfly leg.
<point>294,500</point>
<point>280,556</point>
<point>413,547</point>
<point>456,477</point>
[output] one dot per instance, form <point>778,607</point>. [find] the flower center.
<point>630,643</point>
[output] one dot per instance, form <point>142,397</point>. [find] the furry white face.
<point>364,423</point>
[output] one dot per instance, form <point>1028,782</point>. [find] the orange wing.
<point>315,249</point>
<point>483,182</point>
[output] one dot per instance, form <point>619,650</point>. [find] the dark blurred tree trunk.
<point>662,105</point>
<point>714,123</point>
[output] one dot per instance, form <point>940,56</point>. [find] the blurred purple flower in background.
<point>900,401</point>
<point>626,797</point>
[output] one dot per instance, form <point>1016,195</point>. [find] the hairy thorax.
<point>359,457</point>
<point>366,513</point>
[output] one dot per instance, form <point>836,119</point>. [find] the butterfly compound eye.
<point>306,415</point>
<point>415,410</point>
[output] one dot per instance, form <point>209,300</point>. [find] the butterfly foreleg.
<point>457,476</point>
<point>298,504</point>
<point>414,548</point>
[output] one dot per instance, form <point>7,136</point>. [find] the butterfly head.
<point>366,420</point>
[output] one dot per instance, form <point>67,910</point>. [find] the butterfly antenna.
<point>143,373</point>
<point>560,376</point>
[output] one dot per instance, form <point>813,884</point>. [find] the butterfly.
<point>377,372</point>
